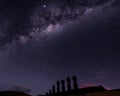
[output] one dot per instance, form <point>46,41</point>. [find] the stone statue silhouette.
<point>53,89</point>
<point>75,85</point>
<point>58,86</point>
<point>68,84</point>
<point>50,92</point>
<point>63,85</point>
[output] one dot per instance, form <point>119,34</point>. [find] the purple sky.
<point>44,41</point>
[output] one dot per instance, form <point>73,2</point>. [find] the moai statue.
<point>75,82</point>
<point>47,94</point>
<point>68,84</point>
<point>50,93</point>
<point>63,85</point>
<point>53,89</point>
<point>58,86</point>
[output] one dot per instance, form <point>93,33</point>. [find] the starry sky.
<point>42,41</point>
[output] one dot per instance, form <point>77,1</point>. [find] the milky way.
<point>46,16</point>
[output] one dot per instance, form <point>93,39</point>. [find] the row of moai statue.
<point>60,88</point>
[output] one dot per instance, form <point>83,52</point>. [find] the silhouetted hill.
<point>105,93</point>
<point>13,93</point>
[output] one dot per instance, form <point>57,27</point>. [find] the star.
<point>44,5</point>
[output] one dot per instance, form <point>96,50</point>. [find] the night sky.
<point>42,41</point>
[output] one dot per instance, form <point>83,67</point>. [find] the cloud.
<point>100,76</point>
<point>22,88</point>
<point>84,83</point>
